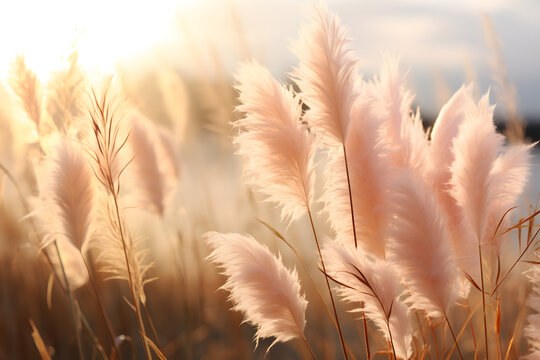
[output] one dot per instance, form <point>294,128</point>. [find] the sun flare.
<point>104,32</point>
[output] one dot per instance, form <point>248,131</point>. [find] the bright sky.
<point>438,41</point>
<point>105,31</point>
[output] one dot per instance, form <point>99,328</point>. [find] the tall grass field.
<point>239,215</point>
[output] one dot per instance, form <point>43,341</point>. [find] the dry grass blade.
<point>155,349</point>
<point>462,331</point>
<point>107,147</point>
<point>38,341</point>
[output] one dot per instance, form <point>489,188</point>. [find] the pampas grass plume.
<point>154,185</point>
<point>277,148</point>
<point>261,286</point>
<point>419,247</point>
<point>369,170</point>
<point>376,284</point>
<point>475,150</point>
<point>326,75</point>
<point>65,215</point>
<point>72,189</point>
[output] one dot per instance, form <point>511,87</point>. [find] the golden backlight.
<point>103,31</point>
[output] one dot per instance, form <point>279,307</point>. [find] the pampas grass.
<point>327,74</point>
<point>276,146</point>
<point>154,164</point>
<point>370,171</point>
<point>375,284</point>
<point>413,228</point>
<point>420,248</point>
<point>261,286</point>
<point>26,86</point>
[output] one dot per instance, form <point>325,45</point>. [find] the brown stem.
<point>453,336</point>
<point>483,300</point>
<point>309,348</point>
<point>391,339</point>
<point>328,285</point>
<point>471,325</point>
<point>101,307</point>
<point>366,336</point>
<point>366,333</point>
<point>72,302</point>
<point>435,341</point>
<point>350,196</point>
<point>147,313</point>
<point>136,301</point>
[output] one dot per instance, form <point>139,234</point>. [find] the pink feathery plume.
<point>369,171</point>
<point>509,177</point>
<point>73,190</point>
<point>261,286</point>
<point>532,330</point>
<point>72,261</point>
<point>154,184</point>
<point>443,134</point>
<point>277,148</point>
<point>326,75</point>
<point>419,247</point>
<point>67,193</point>
<point>441,158</point>
<point>475,150</point>
<point>375,284</point>
<point>408,145</point>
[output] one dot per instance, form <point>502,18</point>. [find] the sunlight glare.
<point>103,31</point>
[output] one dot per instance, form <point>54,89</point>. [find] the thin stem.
<point>136,302</point>
<point>366,336</point>
<point>152,327</point>
<point>309,348</point>
<point>350,196</point>
<point>435,341</point>
<point>483,300</point>
<point>328,284</point>
<point>366,333</point>
<point>453,336</point>
<point>471,324</point>
<point>391,339</point>
<point>512,267</point>
<point>92,334</point>
<point>303,265</point>
<point>72,302</point>
<point>102,308</point>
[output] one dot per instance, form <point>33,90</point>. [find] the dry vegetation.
<point>370,236</point>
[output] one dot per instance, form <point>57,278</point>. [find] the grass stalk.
<point>483,300</point>
<point>309,348</point>
<point>391,339</point>
<point>366,333</point>
<point>72,303</point>
<point>147,313</point>
<point>136,302</point>
<point>101,307</point>
<point>350,196</point>
<point>328,285</point>
<point>453,336</point>
<point>366,336</point>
